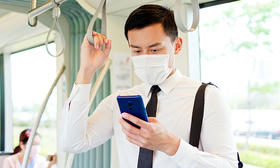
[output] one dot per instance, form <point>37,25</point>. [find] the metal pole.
<point>33,22</point>
<point>36,11</point>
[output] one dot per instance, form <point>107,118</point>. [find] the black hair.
<point>147,15</point>
<point>23,137</point>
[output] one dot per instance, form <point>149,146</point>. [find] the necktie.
<point>145,159</point>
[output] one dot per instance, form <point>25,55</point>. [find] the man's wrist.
<point>84,76</point>
<point>172,145</point>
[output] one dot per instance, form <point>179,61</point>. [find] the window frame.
<point>2,103</point>
<point>214,3</point>
<point>4,147</point>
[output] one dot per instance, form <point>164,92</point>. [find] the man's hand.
<point>92,57</point>
<point>152,135</point>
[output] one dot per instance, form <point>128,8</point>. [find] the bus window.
<point>239,46</point>
<point>32,73</point>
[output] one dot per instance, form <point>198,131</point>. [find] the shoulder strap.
<point>240,164</point>
<point>197,118</point>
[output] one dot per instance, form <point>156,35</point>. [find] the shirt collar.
<point>167,85</point>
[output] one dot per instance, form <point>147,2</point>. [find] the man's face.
<point>152,40</point>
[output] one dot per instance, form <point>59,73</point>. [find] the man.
<point>163,141</point>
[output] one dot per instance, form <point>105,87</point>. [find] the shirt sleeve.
<point>80,132</point>
<point>219,150</point>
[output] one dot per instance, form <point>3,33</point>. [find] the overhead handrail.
<point>102,5</point>
<point>56,14</point>
<point>36,11</point>
<point>33,22</point>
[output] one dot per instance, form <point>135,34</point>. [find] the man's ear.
<point>178,43</point>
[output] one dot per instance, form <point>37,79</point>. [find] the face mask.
<point>35,150</point>
<point>151,69</point>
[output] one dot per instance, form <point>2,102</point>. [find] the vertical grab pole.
<point>93,92</point>
<point>33,22</point>
<point>38,119</point>
<point>70,156</point>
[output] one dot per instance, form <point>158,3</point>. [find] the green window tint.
<point>2,104</point>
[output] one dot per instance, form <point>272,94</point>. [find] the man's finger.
<point>133,141</point>
<point>152,120</point>
<point>107,48</point>
<point>129,128</point>
<point>95,41</point>
<point>138,140</point>
<point>135,120</point>
<point>103,36</point>
<point>100,42</point>
<point>94,33</point>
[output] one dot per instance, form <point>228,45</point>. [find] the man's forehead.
<point>154,44</point>
<point>147,36</point>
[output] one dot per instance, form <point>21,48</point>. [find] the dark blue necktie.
<point>145,159</point>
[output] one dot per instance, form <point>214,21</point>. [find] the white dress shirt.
<point>175,105</point>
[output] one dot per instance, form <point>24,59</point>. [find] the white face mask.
<point>151,69</point>
<point>35,150</point>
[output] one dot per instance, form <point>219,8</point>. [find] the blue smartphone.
<point>133,105</point>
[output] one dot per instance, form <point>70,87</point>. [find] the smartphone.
<point>133,105</point>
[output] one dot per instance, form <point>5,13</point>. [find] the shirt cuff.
<point>184,153</point>
<point>80,92</point>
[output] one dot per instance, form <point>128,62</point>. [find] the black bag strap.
<point>197,118</point>
<point>240,164</point>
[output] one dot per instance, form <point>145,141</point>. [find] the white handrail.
<point>102,5</point>
<point>36,11</point>
<point>38,119</point>
<point>56,14</point>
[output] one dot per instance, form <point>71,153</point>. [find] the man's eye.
<point>154,50</point>
<point>137,51</point>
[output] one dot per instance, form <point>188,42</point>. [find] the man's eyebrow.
<point>134,46</point>
<point>152,45</point>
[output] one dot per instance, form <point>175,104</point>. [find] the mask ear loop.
<point>56,14</point>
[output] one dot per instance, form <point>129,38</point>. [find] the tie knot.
<point>155,89</point>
